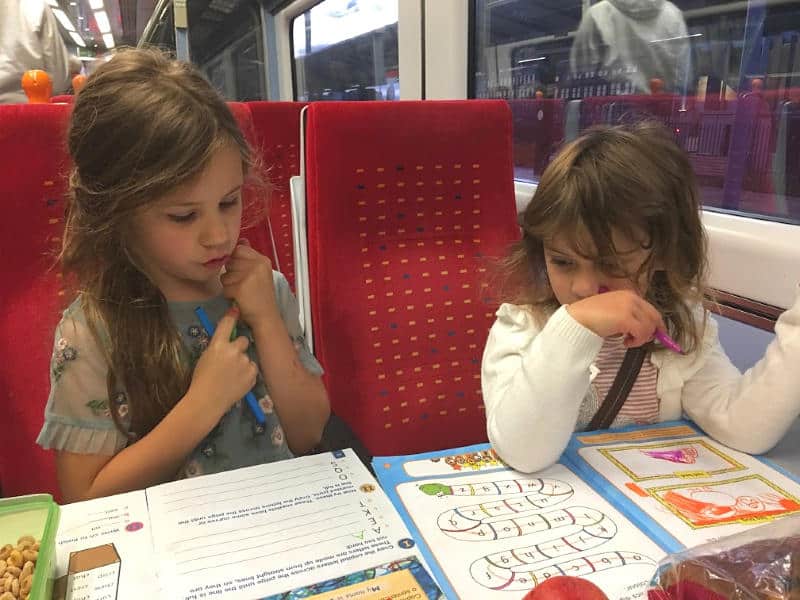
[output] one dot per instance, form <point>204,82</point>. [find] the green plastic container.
<point>35,515</point>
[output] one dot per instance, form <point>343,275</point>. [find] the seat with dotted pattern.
<point>407,204</point>
<point>255,222</point>
<point>277,138</point>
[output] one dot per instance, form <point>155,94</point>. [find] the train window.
<point>346,50</point>
<point>160,31</point>
<point>723,75</point>
<point>225,41</point>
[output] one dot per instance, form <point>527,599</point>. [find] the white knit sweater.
<point>535,379</point>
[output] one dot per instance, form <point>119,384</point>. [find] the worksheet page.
<point>265,530</point>
<point>498,534</point>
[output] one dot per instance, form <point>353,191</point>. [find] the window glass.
<point>162,34</point>
<point>346,50</point>
<point>723,75</point>
<point>225,40</point>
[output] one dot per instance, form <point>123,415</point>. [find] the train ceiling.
<point>95,26</point>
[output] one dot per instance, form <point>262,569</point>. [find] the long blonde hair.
<point>143,125</point>
<point>632,179</point>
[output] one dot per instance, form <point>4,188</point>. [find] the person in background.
<point>29,39</point>
<point>632,42</point>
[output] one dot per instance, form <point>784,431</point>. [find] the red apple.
<point>564,587</point>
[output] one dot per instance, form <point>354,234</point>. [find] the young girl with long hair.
<point>140,392</point>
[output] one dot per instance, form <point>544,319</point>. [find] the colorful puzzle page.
<point>494,533</point>
<point>684,487</point>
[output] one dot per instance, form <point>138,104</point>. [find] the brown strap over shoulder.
<point>623,382</point>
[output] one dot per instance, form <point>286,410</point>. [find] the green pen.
<point>235,330</point>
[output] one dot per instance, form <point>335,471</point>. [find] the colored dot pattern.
<point>420,237</point>
<point>408,205</point>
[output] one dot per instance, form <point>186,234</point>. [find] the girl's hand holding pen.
<point>224,373</point>
<point>621,312</point>
<point>248,281</point>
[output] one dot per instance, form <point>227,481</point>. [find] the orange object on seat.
<point>78,82</point>
<point>37,86</point>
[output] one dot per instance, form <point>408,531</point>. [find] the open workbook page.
<point>292,529</point>
<point>265,530</point>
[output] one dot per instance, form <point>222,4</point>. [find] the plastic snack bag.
<point>762,563</point>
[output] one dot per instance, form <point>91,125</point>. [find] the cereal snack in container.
<point>28,527</point>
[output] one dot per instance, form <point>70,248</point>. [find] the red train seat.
<point>406,202</point>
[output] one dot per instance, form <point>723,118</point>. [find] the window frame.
<point>409,39</point>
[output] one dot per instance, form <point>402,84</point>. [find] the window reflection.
<point>633,46</point>
<point>724,76</point>
<point>226,43</point>
<point>347,50</point>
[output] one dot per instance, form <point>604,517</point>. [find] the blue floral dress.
<point>78,418</point>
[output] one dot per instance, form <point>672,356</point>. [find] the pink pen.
<point>668,342</point>
<point>661,336</point>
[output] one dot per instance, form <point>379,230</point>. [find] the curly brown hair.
<point>630,179</point>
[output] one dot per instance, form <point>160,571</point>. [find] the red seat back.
<point>277,137</point>
<point>255,226</point>
<point>406,201</point>
<point>33,166</point>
